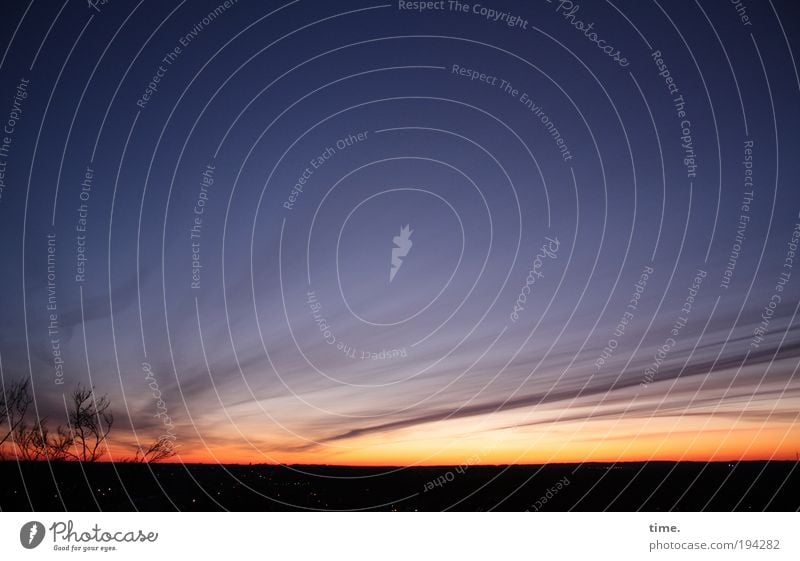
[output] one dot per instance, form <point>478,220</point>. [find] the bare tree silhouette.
<point>90,421</point>
<point>14,403</point>
<point>32,442</point>
<point>58,444</point>
<point>36,442</point>
<point>163,448</point>
<point>83,440</point>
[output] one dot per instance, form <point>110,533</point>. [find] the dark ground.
<point>657,486</point>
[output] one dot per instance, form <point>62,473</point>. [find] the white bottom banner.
<point>400,536</point>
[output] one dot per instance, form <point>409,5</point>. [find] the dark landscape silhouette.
<point>656,486</point>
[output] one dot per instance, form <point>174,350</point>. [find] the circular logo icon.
<point>31,534</point>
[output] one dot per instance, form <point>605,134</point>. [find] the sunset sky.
<point>601,263</point>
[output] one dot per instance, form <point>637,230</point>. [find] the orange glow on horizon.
<point>686,441</point>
